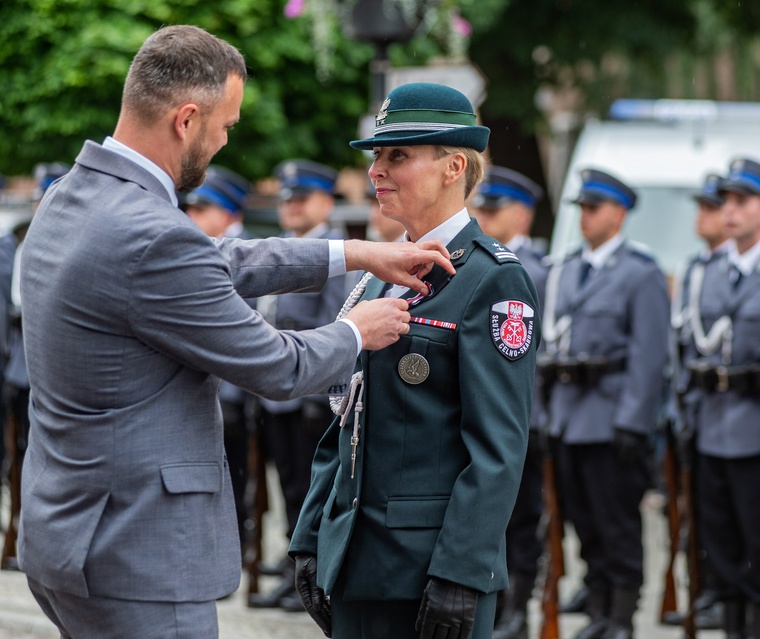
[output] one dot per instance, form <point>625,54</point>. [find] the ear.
<point>187,117</point>
<point>456,163</point>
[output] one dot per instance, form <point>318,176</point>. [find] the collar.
<point>747,261</point>
<point>445,232</point>
<point>449,229</point>
<point>234,229</point>
<point>129,153</point>
<point>599,256</point>
<point>517,242</point>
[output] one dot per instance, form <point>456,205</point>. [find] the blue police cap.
<point>426,113</point>
<point>301,177</point>
<point>710,192</point>
<point>598,187</point>
<point>221,187</point>
<point>45,173</point>
<point>500,186</point>
<point>743,177</point>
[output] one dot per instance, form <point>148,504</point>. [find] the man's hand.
<point>447,610</point>
<point>402,263</point>
<point>380,322</point>
<point>312,596</point>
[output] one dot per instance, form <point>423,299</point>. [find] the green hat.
<point>426,113</point>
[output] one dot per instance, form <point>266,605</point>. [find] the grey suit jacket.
<point>131,316</point>
<point>620,312</point>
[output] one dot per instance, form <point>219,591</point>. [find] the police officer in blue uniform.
<point>293,428</point>
<point>724,367</point>
<point>606,323</point>
<point>710,227</point>
<point>217,207</point>
<point>414,485</point>
<point>504,207</point>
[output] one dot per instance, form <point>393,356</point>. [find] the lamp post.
<point>381,22</point>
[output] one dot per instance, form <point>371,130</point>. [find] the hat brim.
<point>592,198</point>
<point>736,186</point>
<point>709,200</point>
<point>473,137</point>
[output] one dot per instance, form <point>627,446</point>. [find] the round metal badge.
<point>413,368</point>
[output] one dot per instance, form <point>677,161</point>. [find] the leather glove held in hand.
<point>312,596</point>
<point>628,446</point>
<point>447,610</point>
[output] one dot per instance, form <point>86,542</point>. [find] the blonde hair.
<point>476,165</point>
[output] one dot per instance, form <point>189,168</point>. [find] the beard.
<point>194,164</point>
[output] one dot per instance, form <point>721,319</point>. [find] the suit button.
<point>354,503</point>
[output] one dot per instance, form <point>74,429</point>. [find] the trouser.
<point>104,618</point>
<point>728,511</point>
<point>602,498</point>
<point>395,618</point>
<point>290,440</point>
<point>524,548</point>
<point>236,449</point>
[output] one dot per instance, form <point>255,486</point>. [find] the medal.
<point>413,368</point>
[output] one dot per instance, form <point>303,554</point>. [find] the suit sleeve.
<point>647,356</point>
<point>182,303</point>
<point>496,401</point>
<point>276,265</point>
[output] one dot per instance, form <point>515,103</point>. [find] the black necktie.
<point>585,269</point>
<point>736,276</point>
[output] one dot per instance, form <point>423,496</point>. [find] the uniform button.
<point>491,575</point>
<point>354,503</point>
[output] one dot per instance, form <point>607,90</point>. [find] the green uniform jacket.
<point>439,462</point>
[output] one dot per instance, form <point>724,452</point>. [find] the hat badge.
<point>290,170</point>
<point>383,113</point>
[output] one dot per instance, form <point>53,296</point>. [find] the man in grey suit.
<point>606,323</point>
<point>131,316</point>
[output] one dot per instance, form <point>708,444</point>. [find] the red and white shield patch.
<point>512,327</point>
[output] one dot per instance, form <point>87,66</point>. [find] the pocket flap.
<point>416,513</point>
<point>192,478</point>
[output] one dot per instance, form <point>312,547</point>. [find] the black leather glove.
<point>447,610</point>
<point>628,446</point>
<point>313,597</point>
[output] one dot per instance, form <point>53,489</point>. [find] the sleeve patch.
<point>512,328</point>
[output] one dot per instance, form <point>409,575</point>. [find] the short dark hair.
<point>179,63</point>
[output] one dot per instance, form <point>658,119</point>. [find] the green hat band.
<point>410,120</point>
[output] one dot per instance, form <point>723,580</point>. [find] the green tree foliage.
<point>63,63</point>
<point>567,43</point>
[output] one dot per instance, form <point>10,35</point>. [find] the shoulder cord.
<point>721,332</point>
<point>679,312</point>
<point>556,332</point>
<point>339,403</point>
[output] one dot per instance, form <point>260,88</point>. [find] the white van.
<point>663,149</point>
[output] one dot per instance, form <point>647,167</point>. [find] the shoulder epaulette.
<point>496,250</point>
<point>641,250</point>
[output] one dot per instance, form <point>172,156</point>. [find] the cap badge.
<point>383,113</point>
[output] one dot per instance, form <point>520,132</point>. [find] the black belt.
<point>580,370</point>
<point>719,379</point>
